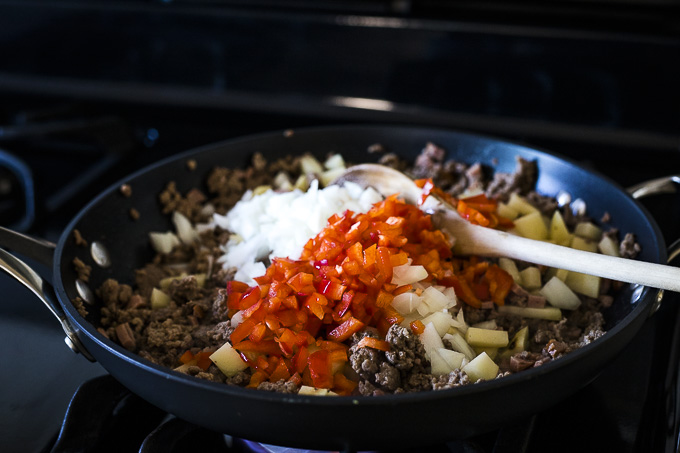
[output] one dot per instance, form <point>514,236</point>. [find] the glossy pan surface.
<point>351,423</point>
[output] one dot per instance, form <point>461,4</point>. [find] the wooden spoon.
<point>477,240</point>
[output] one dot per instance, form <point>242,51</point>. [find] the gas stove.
<point>92,91</point>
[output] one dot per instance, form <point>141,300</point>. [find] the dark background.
<point>92,90</point>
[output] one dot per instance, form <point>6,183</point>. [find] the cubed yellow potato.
<point>506,211</point>
<point>491,352</point>
<point>531,278</point>
<point>481,367</point>
<point>485,338</point>
<point>532,226</point>
<point>560,295</point>
<point>588,230</point>
<point>159,299</point>
<point>588,285</point>
<point>609,246</point>
<point>228,360</point>
<point>555,272</point>
<point>580,243</point>
<point>549,313</point>
<point>559,233</point>
<point>519,343</point>
<point>510,267</point>
<point>520,204</point>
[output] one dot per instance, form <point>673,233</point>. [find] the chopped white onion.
<point>186,232</point>
<point>275,224</point>
<point>406,302</point>
<point>407,274</point>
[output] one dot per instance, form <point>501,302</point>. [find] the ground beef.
<point>454,379</point>
<point>82,270</point>
<point>629,248</point>
<point>391,372</point>
<point>184,289</point>
<point>220,311</point>
<point>546,205</point>
<point>79,304</point>
<point>148,278</point>
<point>522,180</point>
<point>279,386</point>
<point>407,353</point>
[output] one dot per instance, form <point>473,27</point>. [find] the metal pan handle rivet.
<point>84,291</point>
<point>100,254</point>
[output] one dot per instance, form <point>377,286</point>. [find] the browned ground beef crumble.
<point>197,318</point>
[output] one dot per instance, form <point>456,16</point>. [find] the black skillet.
<point>349,423</point>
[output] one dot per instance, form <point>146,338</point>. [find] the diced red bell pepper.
<point>375,343</point>
<point>417,327</point>
<point>265,347</point>
<point>320,369</point>
<point>187,357</point>
<point>346,330</point>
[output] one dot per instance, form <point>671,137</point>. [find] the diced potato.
<point>228,360</point>
<point>200,279</point>
<point>588,230</point>
<point>520,204</point>
<point>491,352</point>
<point>490,325</point>
<point>309,165</point>
<point>580,243</point>
<point>519,343</point>
<point>444,361</point>
<point>259,190</point>
<point>588,285</point>
<point>481,367</point>
<point>510,267</point>
<point>454,359</point>
<point>329,176</point>
<point>335,161</point>
<point>282,182</point>
<point>459,344</point>
<point>485,338</point>
<point>559,273</point>
<point>312,391</point>
<point>532,226</point>
<point>549,313</point>
<point>183,368</point>
<point>302,183</point>
<point>159,299</point>
<point>559,233</point>
<point>438,365</point>
<point>531,278</point>
<point>506,211</point>
<point>164,284</point>
<point>559,295</point>
<point>609,246</point>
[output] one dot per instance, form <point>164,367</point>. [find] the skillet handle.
<point>23,273</point>
<point>663,185</point>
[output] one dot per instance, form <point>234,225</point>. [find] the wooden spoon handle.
<point>477,240</point>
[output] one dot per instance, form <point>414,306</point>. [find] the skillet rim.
<point>82,326</point>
